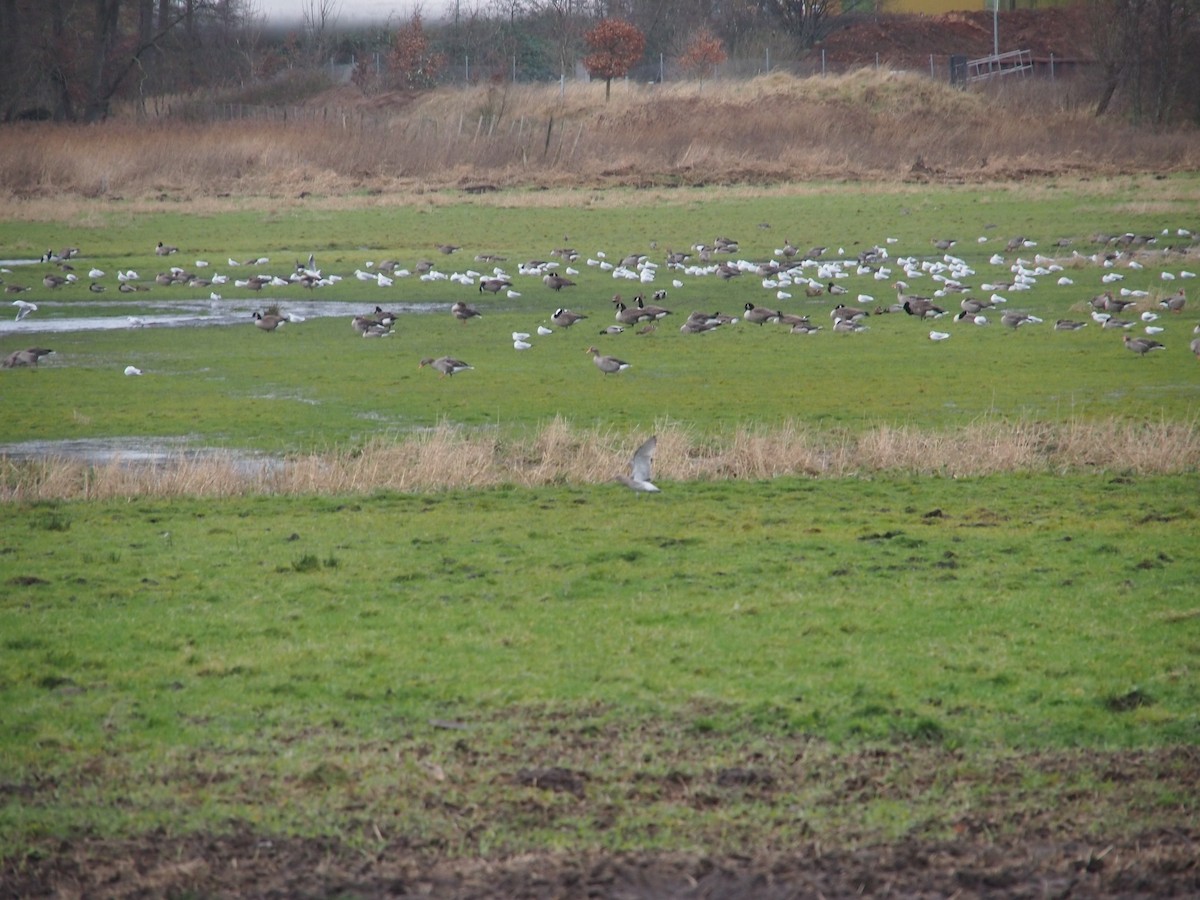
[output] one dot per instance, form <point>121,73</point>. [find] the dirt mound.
<point>907,41</point>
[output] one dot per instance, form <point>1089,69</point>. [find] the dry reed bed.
<point>450,457</point>
<point>868,124</point>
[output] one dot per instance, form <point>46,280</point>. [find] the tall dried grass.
<point>868,124</point>
<point>450,457</point>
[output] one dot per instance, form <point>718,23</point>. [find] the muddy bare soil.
<point>1159,864</point>
<point>1077,824</point>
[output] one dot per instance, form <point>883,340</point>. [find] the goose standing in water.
<point>640,466</point>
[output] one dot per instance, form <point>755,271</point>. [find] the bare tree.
<point>804,20</point>
<point>320,22</point>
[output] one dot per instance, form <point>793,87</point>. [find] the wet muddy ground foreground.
<point>1159,864</point>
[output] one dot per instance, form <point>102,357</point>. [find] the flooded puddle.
<point>55,317</point>
<point>138,451</point>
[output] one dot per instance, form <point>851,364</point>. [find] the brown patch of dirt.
<point>906,41</point>
<point>1157,864</point>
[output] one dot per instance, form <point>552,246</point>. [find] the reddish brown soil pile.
<point>907,41</point>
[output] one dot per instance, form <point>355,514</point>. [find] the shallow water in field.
<point>137,451</point>
<point>56,317</point>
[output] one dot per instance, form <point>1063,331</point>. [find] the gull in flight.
<point>639,475</point>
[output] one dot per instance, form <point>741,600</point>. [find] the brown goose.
<point>556,282</point>
<point>463,311</point>
<point>607,364</point>
<point>975,305</point>
<point>1069,325</point>
<point>922,308</point>
<point>1195,345</point>
<point>1140,345</point>
<point>564,318</point>
<point>447,365</point>
<point>28,357</point>
<point>165,249</point>
<point>848,326</point>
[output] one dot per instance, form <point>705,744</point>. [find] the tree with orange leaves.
<point>412,62</point>
<point>616,47</point>
<point>704,52</point>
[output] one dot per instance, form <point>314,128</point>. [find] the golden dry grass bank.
<point>865,125</point>
<point>450,457</point>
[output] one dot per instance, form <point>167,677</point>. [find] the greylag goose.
<point>607,364</point>
<point>1069,325</point>
<point>447,365</point>
<point>1140,345</point>
<point>463,311</point>
<point>1175,302</point>
<point>1015,320</point>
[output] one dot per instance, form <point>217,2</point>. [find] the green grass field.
<point>364,666</point>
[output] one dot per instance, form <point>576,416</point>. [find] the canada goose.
<point>627,316</point>
<point>269,322</point>
<point>607,364</point>
<point>383,316</point>
<point>1175,302</point>
<point>447,365</point>
<point>1015,320</point>
<point>564,318</point>
<point>792,320</point>
<point>842,312</point>
<point>556,282</point>
<point>28,357</point>
<point>848,326</point>
<point>493,285</point>
<point>922,308</point>
<point>97,288</point>
<point>369,326</point>
<point>640,466</point>
<point>1068,325</point>
<point>463,311</point>
<point>760,314</point>
<point>24,308</point>
<point>165,249</point>
<point>835,290</point>
<point>975,305</point>
<point>971,318</point>
<point>1140,345</point>
<point>655,312</point>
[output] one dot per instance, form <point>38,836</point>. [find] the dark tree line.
<point>72,60</point>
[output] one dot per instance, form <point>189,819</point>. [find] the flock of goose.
<point>813,274</point>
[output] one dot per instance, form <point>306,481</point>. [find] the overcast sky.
<point>280,12</point>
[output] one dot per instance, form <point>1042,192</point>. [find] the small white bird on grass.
<point>132,370</point>
<point>938,335</point>
<point>521,345</point>
<point>640,466</point>
<point>543,330</point>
